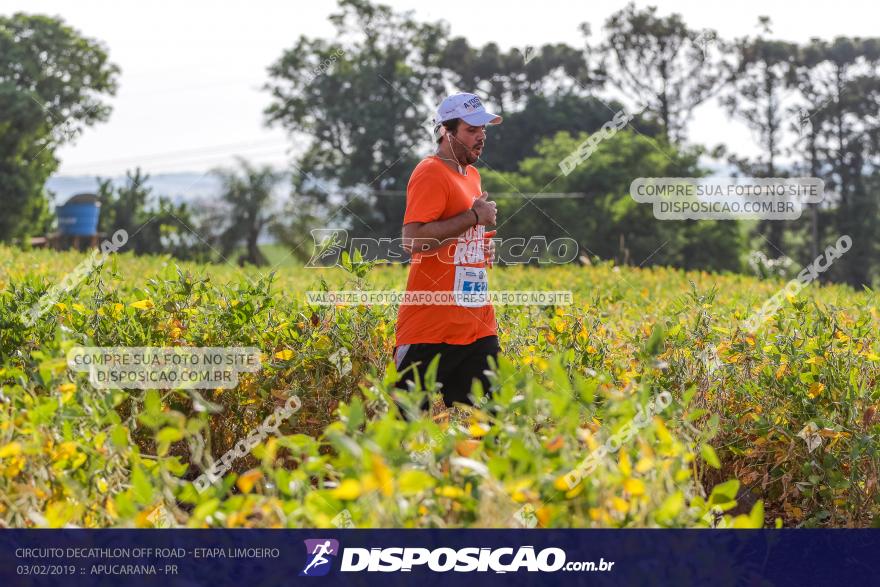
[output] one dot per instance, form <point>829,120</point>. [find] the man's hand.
<point>422,237</point>
<point>485,210</point>
<point>490,247</point>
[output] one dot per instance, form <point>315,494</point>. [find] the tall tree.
<point>663,63</point>
<point>364,100</point>
<point>838,81</point>
<point>808,117</point>
<point>53,82</point>
<point>760,79</point>
<point>508,79</point>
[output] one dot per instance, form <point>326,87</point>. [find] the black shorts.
<point>459,365</point>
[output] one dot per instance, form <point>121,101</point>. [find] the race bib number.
<point>471,287</point>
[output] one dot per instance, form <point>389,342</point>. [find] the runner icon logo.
<point>319,552</point>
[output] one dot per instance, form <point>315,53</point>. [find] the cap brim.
<point>481,118</point>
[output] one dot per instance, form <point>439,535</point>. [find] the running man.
<point>444,228</point>
<point>320,559</point>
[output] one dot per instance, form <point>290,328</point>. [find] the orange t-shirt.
<point>435,192</point>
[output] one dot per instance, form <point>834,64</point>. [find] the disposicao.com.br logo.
<point>318,561</point>
<point>441,560</point>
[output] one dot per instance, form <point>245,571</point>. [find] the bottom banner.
<point>434,557</point>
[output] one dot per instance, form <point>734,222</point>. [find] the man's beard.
<point>465,155</point>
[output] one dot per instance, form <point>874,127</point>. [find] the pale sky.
<point>190,98</point>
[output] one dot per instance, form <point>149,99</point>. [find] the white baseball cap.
<point>467,107</point>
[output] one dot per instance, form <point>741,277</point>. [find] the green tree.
<point>52,85</point>
<point>364,101</point>
<point>663,63</point>
<point>247,197</point>
<point>543,116</point>
<point>155,225</point>
<point>603,218</point>
<point>807,118</point>
<point>759,82</point>
<point>508,79</point>
<point>839,85</point>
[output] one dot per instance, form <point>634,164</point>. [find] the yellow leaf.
<point>815,390</point>
<point>543,515</point>
<point>110,506</point>
<point>59,513</point>
<point>624,464</point>
<point>143,304</point>
<point>347,490</point>
<point>10,450</point>
<point>662,431</point>
<point>562,483</point>
<point>369,483</point>
<point>383,475</point>
<point>477,431</point>
<point>620,505</point>
<point>634,486</point>
<point>246,481</point>
<point>644,465</point>
<point>450,491</point>
<point>65,450</point>
<point>575,492</point>
<point>781,371</point>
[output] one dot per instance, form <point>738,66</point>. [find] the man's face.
<point>468,142</point>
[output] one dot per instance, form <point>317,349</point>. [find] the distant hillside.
<point>180,187</point>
